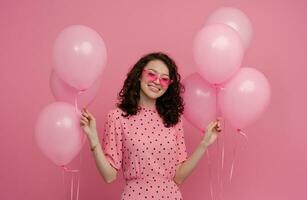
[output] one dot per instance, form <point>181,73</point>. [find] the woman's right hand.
<point>88,123</point>
<point>212,131</point>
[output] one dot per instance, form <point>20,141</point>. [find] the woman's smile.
<point>153,88</point>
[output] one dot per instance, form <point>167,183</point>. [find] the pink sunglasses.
<point>150,75</point>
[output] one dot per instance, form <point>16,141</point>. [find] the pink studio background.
<point>273,164</point>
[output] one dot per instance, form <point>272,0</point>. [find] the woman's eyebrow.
<point>157,72</point>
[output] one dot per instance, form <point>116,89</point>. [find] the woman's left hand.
<point>212,131</point>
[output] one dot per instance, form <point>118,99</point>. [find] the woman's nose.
<point>157,81</point>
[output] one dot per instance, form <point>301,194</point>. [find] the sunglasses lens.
<point>164,81</point>
<point>151,76</point>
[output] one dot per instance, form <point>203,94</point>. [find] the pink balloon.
<point>58,132</point>
<point>200,101</point>
<point>218,52</point>
<point>235,19</point>
<point>80,56</point>
<point>244,98</point>
<point>64,92</point>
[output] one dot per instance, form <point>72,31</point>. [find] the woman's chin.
<point>153,95</point>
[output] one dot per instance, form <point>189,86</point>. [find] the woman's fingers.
<point>212,124</point>
<point>218,127</point>
<point>83,123</point>
<point>87,114</point>
<point>84,119</point>
<point>215,125</point>
<point>84,113</point>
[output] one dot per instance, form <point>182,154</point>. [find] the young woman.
<point>144,134</point>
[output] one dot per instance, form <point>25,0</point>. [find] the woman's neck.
<point>146,104</point>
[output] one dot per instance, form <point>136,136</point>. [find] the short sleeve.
<point>112,139</point>
<point>180,142</point>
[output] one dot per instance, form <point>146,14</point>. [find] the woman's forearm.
<point>105,169</point>
<point>187,167</point>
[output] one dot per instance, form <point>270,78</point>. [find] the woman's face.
<point>155,79</point>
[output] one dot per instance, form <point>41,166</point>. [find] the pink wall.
<point>273,164</point>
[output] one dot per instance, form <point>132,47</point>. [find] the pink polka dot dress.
<point>146,151</point>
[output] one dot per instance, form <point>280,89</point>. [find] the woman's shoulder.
<point>115,113</point>
<point>179,124</point>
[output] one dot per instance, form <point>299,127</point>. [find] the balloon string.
<point>72,187</point>
<point>63,181</point>
<point>218,160</point>
<point>220,150</point>
<point>69,170</point>
<point>218,143</point>
<point>79,175</point>
<point>79,113</point>
<point>216,100</point>
<point>78,189</point>
<point>233,160</point>
<point>223,148</point>
<point>243,134</point>
<point>75,173</point>
<point>76,101</point>
<point>210,175</point>
<point>222,161</point>
<point>217,88</point>
<point>234,152</point>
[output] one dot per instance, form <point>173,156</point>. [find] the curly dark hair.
<point>170,105</point>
